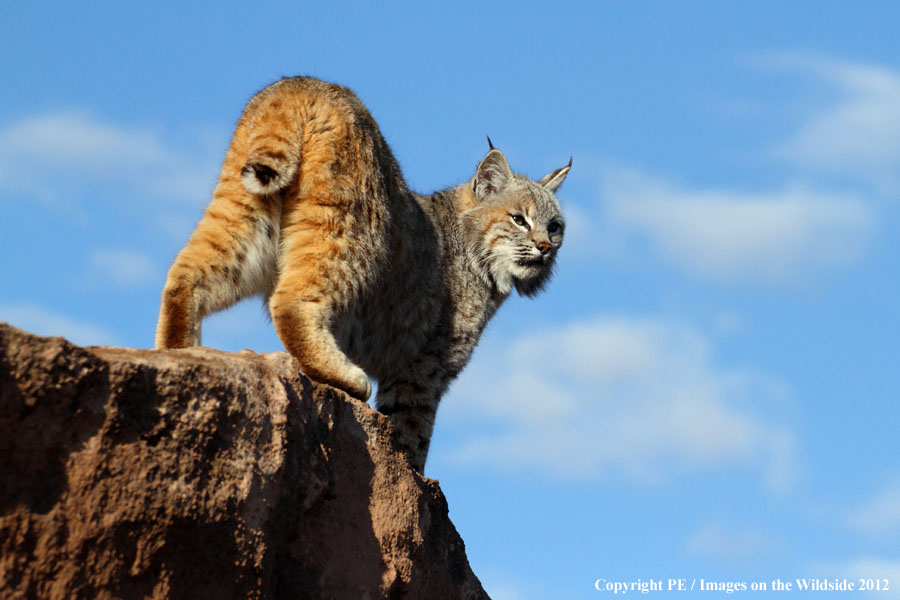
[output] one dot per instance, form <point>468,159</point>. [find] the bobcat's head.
<point>515,226</point>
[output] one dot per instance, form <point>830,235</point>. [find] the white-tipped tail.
<point>262,179</point>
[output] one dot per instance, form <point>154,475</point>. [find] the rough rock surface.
<point>202,474</point>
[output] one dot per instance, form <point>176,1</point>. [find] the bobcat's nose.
<point>543,247</point>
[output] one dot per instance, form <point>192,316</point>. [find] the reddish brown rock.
<point>201,474</point>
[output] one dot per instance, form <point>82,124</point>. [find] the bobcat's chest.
<point>435,326</point>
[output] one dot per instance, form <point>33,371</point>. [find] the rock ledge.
<point>202,474</point>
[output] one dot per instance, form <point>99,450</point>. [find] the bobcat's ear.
<point>552,181</point>
<point>493,175</point>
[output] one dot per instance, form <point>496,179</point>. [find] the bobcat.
<point>361,275</point>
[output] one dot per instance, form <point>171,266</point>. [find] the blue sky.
<point>708,389</point>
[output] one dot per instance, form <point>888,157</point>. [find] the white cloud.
<point>877,570</point>
<point>39,321</point>
<point>880,516</point>
<point>739,237</point>
<point>788,233</point>
<point>639,397</point>
<point>124,267</point>
<point>858,133</point>
<point>45,154</point>
<point>80,141</point>
<point>501,585</point>
<point>713,540</point>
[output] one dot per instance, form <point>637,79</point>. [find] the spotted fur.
<point>362,276</point>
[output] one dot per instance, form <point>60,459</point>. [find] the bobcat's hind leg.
<point>229,257</point>
<point>321,273</point>
<point>411,408</point>
<point>302,307</point>
<point>303,325</point>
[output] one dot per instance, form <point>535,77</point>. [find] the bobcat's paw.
<point>359,385</point>
<point>352,381</point>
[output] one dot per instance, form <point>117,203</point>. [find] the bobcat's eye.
<point>520,221</point>
<point>554,228</point>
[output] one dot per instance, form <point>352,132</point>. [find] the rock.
<point>202,474</point>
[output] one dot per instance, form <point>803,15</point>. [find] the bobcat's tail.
<point>274,152</point>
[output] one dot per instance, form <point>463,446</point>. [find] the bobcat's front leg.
<point>412,407</point>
